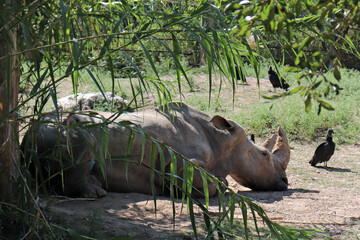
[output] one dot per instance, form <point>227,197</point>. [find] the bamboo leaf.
<point>143,142</point>
<point>205,187</point>
<point>112,73</point>
<point>173,171</point>
<point>201,9</point>
<point>232,209</point>
<point>152,173</point>
<point>26,35</point>
<point>97,83</point>
<point>337,74</point>
<point>307,102</point>
<point>184,183</point>
<point>76,56</point>
<point>210,64</point>
<point>293,69</point>
<point>296,89</point>
<point>38,83</point>
<point>109,40</point>
<point>272,96</point>
<point>176,49</point>
<point>305,42</point>
<point>138,72</point>
<point>129,147</point>
<point>162,164</point>
<point>326,105</point>
<point>148,56</point>
<point>315,85</point>
<point>177,63</point>
<point>244,213</point>
<point>53,97</point>
<point>64,9</point>
<point>189,180</point>
<point>192,215</point>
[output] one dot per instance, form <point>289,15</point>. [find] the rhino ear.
<point>220,123</point>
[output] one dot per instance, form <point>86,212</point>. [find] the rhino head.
<point>260,168</point>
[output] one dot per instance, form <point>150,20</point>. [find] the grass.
<point>261,116</point>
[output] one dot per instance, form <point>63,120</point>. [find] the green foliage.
<point>311,35</point>
<point>288,113</point>
<point>59,39</point>
<point>263,115</point>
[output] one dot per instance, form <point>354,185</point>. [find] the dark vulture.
<point>252,138</point>
<point>275,81</point>
<point>336,88</point>
<point>240,74</point>
<point>324,151</point>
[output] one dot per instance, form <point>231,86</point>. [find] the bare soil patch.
<point>327,199</point>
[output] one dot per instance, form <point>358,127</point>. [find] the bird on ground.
<point>336,88</point>
<point>252,138</point>
<point>275,81</point>
<point>240,74</point>
<point>324,151</point>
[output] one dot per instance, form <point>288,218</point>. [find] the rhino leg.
<point>79,184</point>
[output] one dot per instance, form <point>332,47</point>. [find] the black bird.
<point>274,79</point>
<point>324,151</point>
<point>336,88</point>
<point>252,138</point>
<point>240,73</point>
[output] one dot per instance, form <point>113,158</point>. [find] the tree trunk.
<point>9,88</point>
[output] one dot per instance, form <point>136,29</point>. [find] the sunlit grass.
<point>262,116</point>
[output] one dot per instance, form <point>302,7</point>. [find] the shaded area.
<point>124,215</point>
<point>271,197</point>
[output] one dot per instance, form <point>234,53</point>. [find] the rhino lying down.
<point>216,144</point>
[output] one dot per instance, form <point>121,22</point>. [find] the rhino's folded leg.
<point>79,184</point>
<point>95,186</point>
<point>90,187</point>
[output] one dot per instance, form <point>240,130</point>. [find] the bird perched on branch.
<point>275,81</point>
<point>324,151</point>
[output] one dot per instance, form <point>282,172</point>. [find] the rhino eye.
<point>264,153</point>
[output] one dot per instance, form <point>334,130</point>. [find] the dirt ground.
<point>327,199</point>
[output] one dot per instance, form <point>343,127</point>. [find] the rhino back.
<point>186,131</point>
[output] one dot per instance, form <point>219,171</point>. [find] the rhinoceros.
<point>76,143</point>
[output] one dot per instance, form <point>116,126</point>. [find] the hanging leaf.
<point>307,102</point>
<point>315,85</point>
<point>337,74</point>
<point>326,105</point>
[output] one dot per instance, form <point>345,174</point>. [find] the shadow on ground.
<point>273,196</point>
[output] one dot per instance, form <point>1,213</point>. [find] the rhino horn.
<point>270,143</point>
<point>282,150</point>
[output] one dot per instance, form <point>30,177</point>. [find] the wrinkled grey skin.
<point>216,144</point>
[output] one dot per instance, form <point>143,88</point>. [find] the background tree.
<point>9,85</point>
